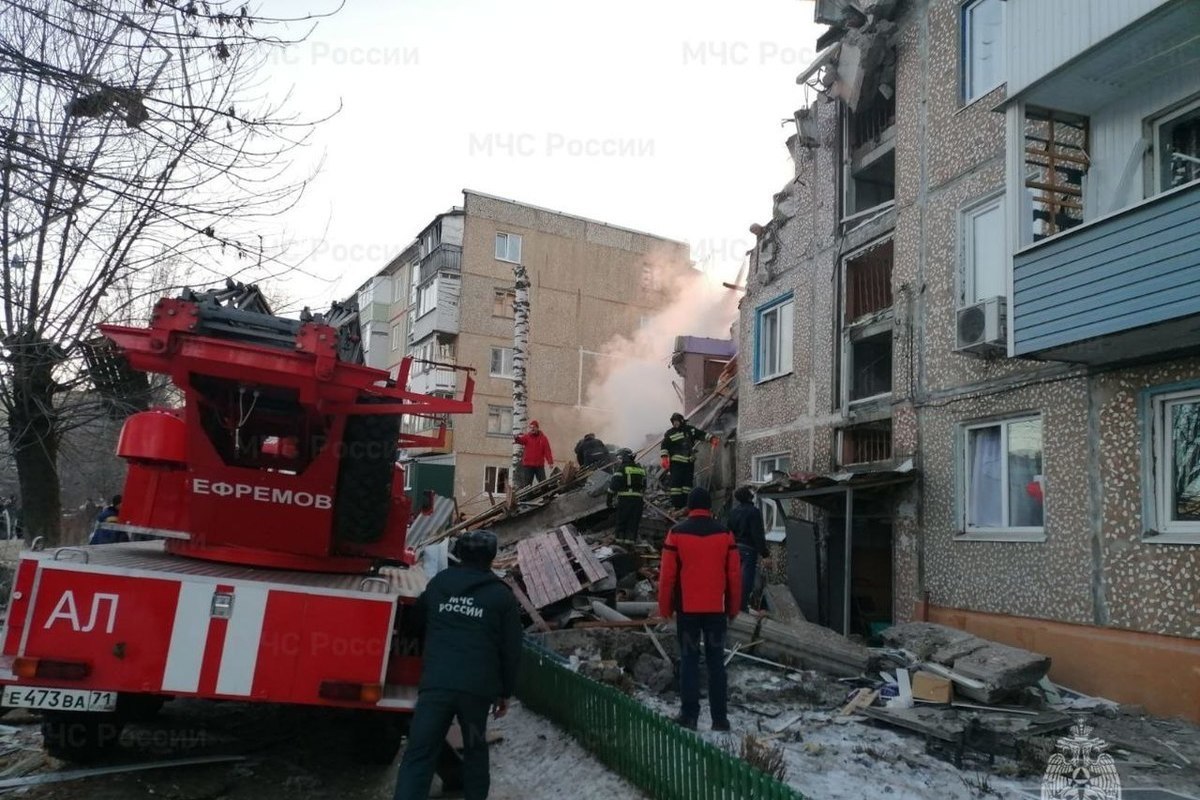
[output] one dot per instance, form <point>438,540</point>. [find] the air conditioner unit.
<point>982,327</point>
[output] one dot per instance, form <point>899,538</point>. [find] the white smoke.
<point>634,396</point>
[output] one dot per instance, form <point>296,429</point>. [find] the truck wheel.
<point>80,737</point>
<point>365,470</point>
<point>378,736</point>
<point>139,707</point>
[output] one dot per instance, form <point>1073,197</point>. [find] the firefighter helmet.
<point>477,548</point>
<point>626,455</point>
<point>677,416</point>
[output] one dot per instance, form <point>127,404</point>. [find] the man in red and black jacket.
<point>701,582</point>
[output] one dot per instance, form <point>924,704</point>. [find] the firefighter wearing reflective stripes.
<point>627,486</point>
<point>677,445</point>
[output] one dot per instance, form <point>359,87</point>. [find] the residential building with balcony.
<point>591,282</point>
<point>971,333</point>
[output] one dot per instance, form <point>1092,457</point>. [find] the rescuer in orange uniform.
<point>700,581</point>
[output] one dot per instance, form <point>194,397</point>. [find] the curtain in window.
<point>985,494</point>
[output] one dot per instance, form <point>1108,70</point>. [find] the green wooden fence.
<point>647,749</point>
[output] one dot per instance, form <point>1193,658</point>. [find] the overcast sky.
<point>660,115</point>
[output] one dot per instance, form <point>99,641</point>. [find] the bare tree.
<point>132,134</point>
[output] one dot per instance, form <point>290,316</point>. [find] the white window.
<point>508,247</point>
<point>1003,480</point>
<point>1175,448</point>
<point>427,298</point>
<point>399,286</point>
<point>982,47</point>
<point>495,480</point>
<point>1177,147</point>
<point>984,265</point>
<point>762,469</point>
<point>773,333</point>
<point>502,362</point>
<point>397,336</point>
<point>499,421</point>
<point>408,476</point>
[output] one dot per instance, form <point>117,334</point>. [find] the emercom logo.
<point>1081,769</point>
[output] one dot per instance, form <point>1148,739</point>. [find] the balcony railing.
<point>444,257</point>
<point>1121,288</point>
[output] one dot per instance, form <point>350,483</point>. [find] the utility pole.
<point>520,350</point>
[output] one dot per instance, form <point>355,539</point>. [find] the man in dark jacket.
<point>472,628</point>
<point>102,534</point>
<point>627,487</point>
<point>678,456</point>
<point>591,452</point>
<point>746,522</point>
<point>700,581</point>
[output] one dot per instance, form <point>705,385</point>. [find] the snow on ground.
<point>537,761</point>
<point>847,759</point>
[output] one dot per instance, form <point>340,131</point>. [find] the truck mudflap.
<point>144,621</point>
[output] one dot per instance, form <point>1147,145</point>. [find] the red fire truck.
<point>268,519</point>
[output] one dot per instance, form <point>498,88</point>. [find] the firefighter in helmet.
<point>472,628</point>
<point>677,454</point>
<point>627,486</point>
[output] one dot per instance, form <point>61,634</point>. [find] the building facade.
<point>972,332</point>
<point>591,282</point>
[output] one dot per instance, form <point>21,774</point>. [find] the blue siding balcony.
<point>1124,287</point>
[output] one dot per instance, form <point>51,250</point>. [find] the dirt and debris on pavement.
<point>834,753</point>
<point>293,752</point>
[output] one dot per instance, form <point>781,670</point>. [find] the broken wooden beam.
<point>802,644</point>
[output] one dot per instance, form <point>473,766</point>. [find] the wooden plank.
<point>568,580</point>
<point>532,574</point>
<point>591,566</point>
<point>526,604</point>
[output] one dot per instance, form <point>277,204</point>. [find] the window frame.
<point>965,71</point>
<point>966,241</point>
<point>499,410</point>
<point>1019,533</point>
<point>511,296</point>
<point>397,336</point>
<point>1158,528</point>
<point>1166,116</point>
<point>508,238</point>
<point>775,306</point>
<point>492,488</point>
<point>771,511</point>
<point>491,359</point>
<point>430,286</point>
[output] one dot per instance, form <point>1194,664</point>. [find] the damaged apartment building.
<point>446,302</point>
<point>971,333</point>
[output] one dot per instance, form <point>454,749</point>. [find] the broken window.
<point>865,322</point>
<point>869,283</point>
<point>870,162</point>
<point>502,303</point>
<point>870,365</point>
<point>763,469</point>
<point>1177,147</point>
<point>865,443</point>
<point>1056,160</point>
<point>495,480</point>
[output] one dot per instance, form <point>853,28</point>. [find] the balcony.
<point>437,308</point>
<point>426,379</point>
<point>443,258</point>
<point>1120,288</point>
